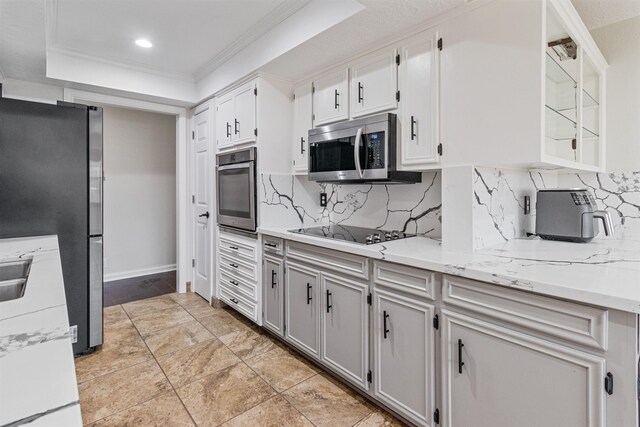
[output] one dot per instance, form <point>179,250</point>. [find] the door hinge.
<point>313,117</point>
<point>369,298</point>
<point>440,149</point>
<point>193,199</point>
<point>608,383</point>
<point>313,89</point>
<point>294,96</point>
<point>440,43</point>
<point>369,376</point>
<point>193,134</point>
<point>255,131</point>
<point>193,262</point>
<point>397,59</point>
<point>436,416</point>
<point>398,96</point>
<point>255,91</point>
<point>436,322</point>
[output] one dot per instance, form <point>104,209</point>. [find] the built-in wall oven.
<point>356,151</point>
<point>236,173</point>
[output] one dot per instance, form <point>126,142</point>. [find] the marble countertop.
<point>38,380</point>
<point>604,272</point>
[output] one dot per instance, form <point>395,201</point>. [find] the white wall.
<point>29,91</point>
<point>139,192</point>
<point>620,45</point>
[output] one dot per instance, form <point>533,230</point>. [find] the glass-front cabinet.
<point>573,95</point>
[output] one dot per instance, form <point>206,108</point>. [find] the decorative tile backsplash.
<point>293,201</point>
<point>498,208</point>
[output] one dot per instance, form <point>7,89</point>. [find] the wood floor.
<point>175,361</point>
<point>138,288</point>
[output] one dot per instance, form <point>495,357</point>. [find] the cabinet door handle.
<point>228,130</point>
<point>460,362</point>
<point>271,245</point>
<point>413,132</point>
<point>233,282</point>
<point>235,126</point>
<point>329,306</point>
<point>302,150</point>
<point>235,248</point>
<point>233,300</point>
<point>385,316</point>
<point>309,293</point>
<point>234,265</point>
<point>335,99</point>
<point>360,97</point>
<point>273,279</point>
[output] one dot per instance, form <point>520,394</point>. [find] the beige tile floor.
<point>175,361</point>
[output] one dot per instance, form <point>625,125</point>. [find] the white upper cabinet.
<point>236,117</point>
<point>418,115</point>
<point>331,97</point>
<point>224,121</point>
<point>244,129</point>
<point>522,84</point>
<point>374,83</point>
<point>302,110</point>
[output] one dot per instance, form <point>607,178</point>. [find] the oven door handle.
<point>356,152</point>
<point>245,165</point>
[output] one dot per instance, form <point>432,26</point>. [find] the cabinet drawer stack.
<point>238,274</point>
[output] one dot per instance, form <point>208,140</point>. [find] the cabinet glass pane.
<point>590,144</point>
<point>562,72</point>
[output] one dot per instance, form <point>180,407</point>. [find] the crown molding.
<point>272,19</point>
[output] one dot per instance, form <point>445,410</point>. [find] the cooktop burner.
<point>348,233</point>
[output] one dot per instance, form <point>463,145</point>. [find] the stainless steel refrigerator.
<point>51,177</point>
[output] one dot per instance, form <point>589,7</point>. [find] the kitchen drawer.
<point>407,279</point>
<point>243,269</point>
<point>244,248</point>
<point>273,245</point>
<point>244,288</point>
<point>562,319</point>
<point>330,259</point>
<point>248,308</point>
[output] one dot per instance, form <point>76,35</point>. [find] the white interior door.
<point>203,205</point>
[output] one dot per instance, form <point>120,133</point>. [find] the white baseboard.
<point>141,272</point>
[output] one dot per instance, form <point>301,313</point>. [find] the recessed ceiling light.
<point>144,43</point>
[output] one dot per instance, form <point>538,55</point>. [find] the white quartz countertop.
<point>37,374</point>
<point>604,272</point>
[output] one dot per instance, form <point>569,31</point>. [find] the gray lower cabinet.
<point>498,377</point>
<point>345,327</point>
<point>404,368</point>
<point>272,294</point>
<point>302,315</point>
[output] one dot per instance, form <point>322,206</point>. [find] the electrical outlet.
<point>527,205</point>
<point>323,200</point>
<point>73,334</point>
<point>104,264</point>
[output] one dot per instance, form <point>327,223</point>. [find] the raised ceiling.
<point>189,37</point>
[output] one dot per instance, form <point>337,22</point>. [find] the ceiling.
<point>195,39</point>
<point>598,13</point>
<point>188,36</point>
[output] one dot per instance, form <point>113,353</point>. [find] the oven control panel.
<point>375,151</point>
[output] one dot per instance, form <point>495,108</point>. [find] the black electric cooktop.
<point>365,236</point>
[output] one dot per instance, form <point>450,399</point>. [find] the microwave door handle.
<point>356,152</point>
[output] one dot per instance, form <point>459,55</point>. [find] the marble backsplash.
<point>293,201</point>
<point>498,206</point>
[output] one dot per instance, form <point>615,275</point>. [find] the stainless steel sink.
<point>13,278</point>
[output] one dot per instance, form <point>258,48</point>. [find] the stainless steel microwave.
<point>357,151</point>
<point>236,173</point>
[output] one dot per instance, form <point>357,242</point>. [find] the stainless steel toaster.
<point>570,215</point>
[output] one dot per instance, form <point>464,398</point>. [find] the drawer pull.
<point>234,265</point>
<point>233,282</point>
<point>273,279</point>
<point>235,248</point>
<point>309,293</point>
<point>385,316</point>
<point>329,306</point>
<point>460,362</point>
<point>271,245</point>
<point>233,300</point>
